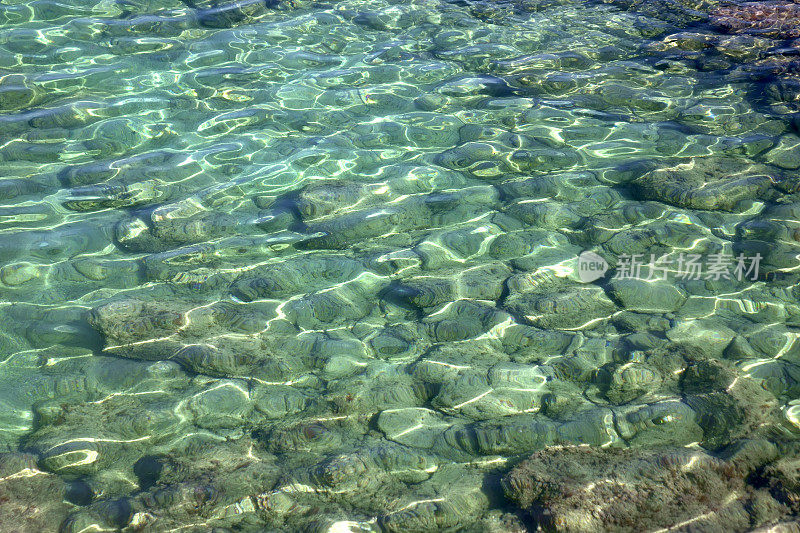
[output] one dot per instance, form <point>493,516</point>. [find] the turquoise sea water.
<point>342,266</point>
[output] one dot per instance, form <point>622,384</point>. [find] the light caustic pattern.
<point>299,265</point>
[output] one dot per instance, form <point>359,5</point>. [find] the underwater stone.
<point>463,319</point>
<point>779,377</point>
<point>455,247</point>
<point>342,366</point>
<point>740,349</point>
<point>569,308</point>
<point>455,506</point>
<point>703,334</point>
<point>209,480</point>
<point>475,86</point>
<point>527,377</point>
<point>706,376</point>
<point>417,427</point>
<point>376,462</point>
<point>340,231</point>
<point>514,435</point>
<point>224,405</point>
<point>565,486</point>
<point>99,270</point>
<point>324,199</point>
<point>344,303</point>
<point>418,129</point>
<point>482,282</point>
<point>133,234</point>
<point>131,320</point>
<point>720,415</point>
<point>207,359</point>
<point>392,341</point>
<point>544,159</point>
<point>277,219</point>
<point>14,188</point>
<point>783,480</point>
<point>526,342</point>
<point>658,239</point>
<point>32,500</point>
<point>762,228</point>
<point>241,318</point>
<point>415,212</point>
<point>304,436</point>
<point>593,428</point>
<point>630,381</point>
<point>425,291</point>
<point>142,167</point>
<point>545,214</point>
<point>621,96</point>
<point>581,365</point>
<point>115,137</point>
<point>569,186</point>
<point>513,244</point>
<point>200,227</point>
<point>547,266</point>
<point>472,396</point>
<point>227,14</point>
<point>84,520</point>
<point>401,18</point>
<point>480,132</point>
<point>78,456</point>
<point>336,343</point>
<point>15,93</point>
<point>647,296</point>
<point>483,160</point>
<point>697,183</point>
<point>19,273</point>
<point>748,455</point>
<point>666,422</point>
<point>96,197</point>
<point>236,250</point>
<point>324,399</point>
<point>379,387</point>
<point>632,321</point>
<point>777,20</point>
<point>445,362</point>
<point>786,154</point>
<point>776,341</point>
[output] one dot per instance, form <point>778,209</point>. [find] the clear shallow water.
<point>316,266</point>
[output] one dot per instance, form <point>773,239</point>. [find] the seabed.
<point>399,266</point>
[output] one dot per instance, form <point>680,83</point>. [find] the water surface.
<point>341,266</point>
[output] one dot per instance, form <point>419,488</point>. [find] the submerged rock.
<point>709,337</point>
<point>463,319</point>
<point>227,13</point>
<point>647,296</point>
<point>779,20</point>
<point>457,498</point>
<point>30,499</point>
<point>592,489</point>
<point>132,321</point>
<point>630,381</point>
<point>295,275</point>
<point>705,183</point>
<point>569,308</point>
<point>205,481</point>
